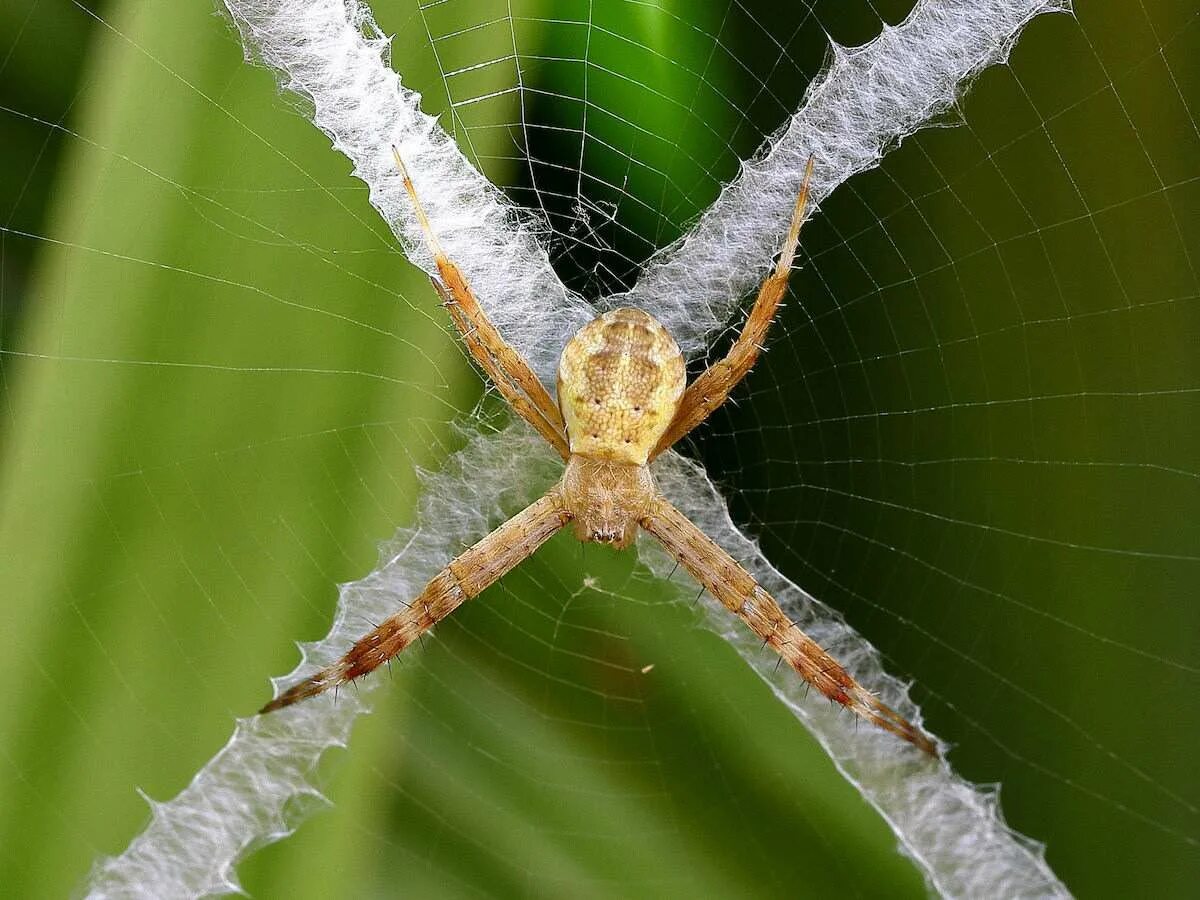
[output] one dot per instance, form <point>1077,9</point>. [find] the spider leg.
<point>512,394</point>
<point>465,577</point>
<point>711,388</point>
<point>737,590</point>
<point>502,363</point>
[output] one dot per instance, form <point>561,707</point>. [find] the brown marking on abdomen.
<point>619,383</point>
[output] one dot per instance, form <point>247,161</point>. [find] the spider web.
<point>974,435</point>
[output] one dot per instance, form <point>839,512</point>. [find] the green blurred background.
<point>976,434</point>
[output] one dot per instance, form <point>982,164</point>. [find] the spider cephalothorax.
<point>622,400</point>
<point>606,499</point>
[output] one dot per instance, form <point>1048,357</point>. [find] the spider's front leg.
<point>465,577</point>
<point>737,590</point>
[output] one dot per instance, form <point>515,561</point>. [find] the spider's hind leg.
<point>712,387</point>
<point>502,363</point>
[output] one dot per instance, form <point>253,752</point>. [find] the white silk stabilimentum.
<point>866,101</point>
<point>331,53</point>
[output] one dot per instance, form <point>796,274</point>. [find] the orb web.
<point>971,436</point>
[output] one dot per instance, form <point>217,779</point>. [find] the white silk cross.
<point>864,103</point>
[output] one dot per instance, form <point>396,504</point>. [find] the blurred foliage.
<point>36,90</point>
<point>171,523</point>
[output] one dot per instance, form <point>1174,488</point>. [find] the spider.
<point>622,400</point>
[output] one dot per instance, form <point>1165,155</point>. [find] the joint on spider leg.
<point>444,292</point>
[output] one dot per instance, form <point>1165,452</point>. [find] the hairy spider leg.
<point>508,390</point>
<point>720,574</point>
<point>500,361</point>
<point>711,388</point>
<point>467,576</point>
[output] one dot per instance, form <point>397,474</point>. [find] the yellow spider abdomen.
<point>619,383</point>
